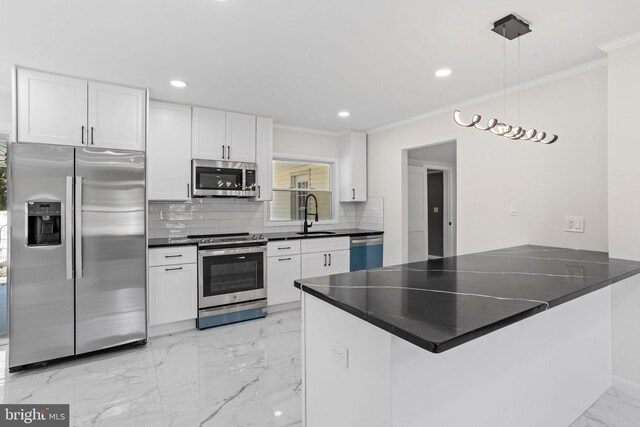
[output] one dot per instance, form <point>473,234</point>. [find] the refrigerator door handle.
<point>78,233</point>
<point>68,227</point>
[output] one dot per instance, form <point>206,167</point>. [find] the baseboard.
<point>283,307</point>
<point>170,328</point>
<point>623,384</point>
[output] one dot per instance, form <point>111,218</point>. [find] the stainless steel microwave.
<point>223,179</point>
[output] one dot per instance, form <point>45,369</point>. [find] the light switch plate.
<point>574,224</point>
<point>514,208</point>
<point>340,353</point>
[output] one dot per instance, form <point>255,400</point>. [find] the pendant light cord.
<point>504,73</point>
<point>518,79</point>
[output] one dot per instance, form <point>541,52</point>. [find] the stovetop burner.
<point>227,239</point>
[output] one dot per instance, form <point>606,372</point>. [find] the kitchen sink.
<point>316,232</point>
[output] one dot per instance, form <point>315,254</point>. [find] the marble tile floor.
<point>615,408</point>
<point>247,374</point>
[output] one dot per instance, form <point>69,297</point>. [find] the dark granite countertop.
<point>440,304</point>
<point>285,235</point>
<point>291,235</point>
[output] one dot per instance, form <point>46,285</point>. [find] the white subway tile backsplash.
<point>214,216</point>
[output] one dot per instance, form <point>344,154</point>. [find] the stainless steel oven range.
<point>231,278</point>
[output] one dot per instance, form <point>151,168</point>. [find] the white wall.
<point>5,112</point>
<point>624,205</point>
<point>549,181</point>
<point>624,152</point>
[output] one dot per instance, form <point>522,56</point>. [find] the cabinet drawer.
<point>284,247</point>
<point>173,255</point>
<point>325,244</point>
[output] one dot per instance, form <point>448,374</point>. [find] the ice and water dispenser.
<point>44,223</point>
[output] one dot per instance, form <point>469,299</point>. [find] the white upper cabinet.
<point>116,117</point>
<point>55,109</point>
<point>353,167</point>
<point>168,151</point>
<point>241,137</point>
<point>264,158</point>
<point>51,109</point>
<point>220,135</point>
<point>208,140</point>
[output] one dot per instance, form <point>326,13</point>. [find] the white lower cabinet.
<point>325,263</point>
<point>324,256</point>
<point>282,271</point>
<point>173,289</point>
<point>290,260</point>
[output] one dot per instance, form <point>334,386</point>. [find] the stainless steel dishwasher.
<point>366,252</point>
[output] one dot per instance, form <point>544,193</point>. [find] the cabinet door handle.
<point>353,192</point>
<point>284,247</point>
<point>284,259</point>
<point>223,152</point>
<point>173,256</point>
<point>82,135</point>
<point>173,269</point>
<point>228,152</point>
<point>91,135</point>
<point>188,190</point>
<point>258,191</point>
<point>329,260</point>
<point>325,260</point>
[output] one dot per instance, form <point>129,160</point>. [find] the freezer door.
<point>110,249</point>
<point>41,317</point>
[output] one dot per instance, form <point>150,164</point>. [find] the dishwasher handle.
<point>367,241</point>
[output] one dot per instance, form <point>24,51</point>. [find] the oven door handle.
<point>231,251</point>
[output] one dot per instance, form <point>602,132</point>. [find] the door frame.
<point>421,169</point>
<point>448,223</point>
<point>4,340</point>
<point>448,226</point>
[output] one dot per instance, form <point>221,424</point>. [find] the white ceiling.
<point>302,61</point>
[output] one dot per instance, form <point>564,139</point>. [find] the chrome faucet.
<point>306,212</point>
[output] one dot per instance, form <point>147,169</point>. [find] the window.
<point>293,181</point>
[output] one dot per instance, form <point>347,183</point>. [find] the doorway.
<point>435,213</point>
<point>432,202</point>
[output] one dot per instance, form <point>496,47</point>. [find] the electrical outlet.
<point>574,224</point>
<point>340,353</point>
<point>514,208</point>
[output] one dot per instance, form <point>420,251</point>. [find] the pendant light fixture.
<point>510,27</point>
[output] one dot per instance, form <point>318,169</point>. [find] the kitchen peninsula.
<point>519,336</point>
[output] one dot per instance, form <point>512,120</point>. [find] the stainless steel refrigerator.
<point>77,254</point>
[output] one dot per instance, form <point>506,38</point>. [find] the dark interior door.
<point>435,204</point>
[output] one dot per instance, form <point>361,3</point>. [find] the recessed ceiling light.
<point>344,114</point>
<point>277,413</point>
<point>444,72</point>
<point>178,83</point>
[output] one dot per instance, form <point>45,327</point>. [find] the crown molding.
<point>307,130</point>
<point>569,72</point>
<point>621,42</point>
